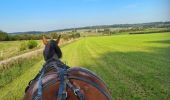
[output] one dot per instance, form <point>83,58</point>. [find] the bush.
<point>32,44</point>
<point>23,46</point>
<point>77,35</point>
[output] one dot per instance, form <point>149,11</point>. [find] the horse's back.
<point>91,86</point>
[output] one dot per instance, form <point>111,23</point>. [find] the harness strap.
<point>95,85</point>
<point>39,94</point>
<point>64,82</point>
<point>62,94</point>
<point>76,90</point>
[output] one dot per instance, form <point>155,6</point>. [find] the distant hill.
<point>144,25</point>
<point>29,32</point>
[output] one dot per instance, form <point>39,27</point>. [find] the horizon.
<point>83,27</point>
<point>42,15</point>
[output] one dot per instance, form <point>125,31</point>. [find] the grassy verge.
<point>12,70</point>
<point>15,89</point>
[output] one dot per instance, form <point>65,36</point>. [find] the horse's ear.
<point>44,40</point>
<point>58,40</point>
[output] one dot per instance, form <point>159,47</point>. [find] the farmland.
<point>133,66</point>
<point>12,48</point>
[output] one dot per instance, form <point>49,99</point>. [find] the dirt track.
<point>25,55</point>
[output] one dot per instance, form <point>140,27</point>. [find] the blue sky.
<point>46,15</point>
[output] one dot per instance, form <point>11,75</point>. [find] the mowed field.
<point>133,66</point>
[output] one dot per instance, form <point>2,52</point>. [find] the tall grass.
<point>10,71</point>
<point>23,46</point>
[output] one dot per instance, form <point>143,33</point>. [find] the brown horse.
<point>57,81</point>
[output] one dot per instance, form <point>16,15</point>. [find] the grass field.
<point>11,48</point>
<point>133,66</point>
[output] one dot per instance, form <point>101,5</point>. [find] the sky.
<point>47,15</point>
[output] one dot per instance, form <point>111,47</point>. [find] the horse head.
<point>51,48</point>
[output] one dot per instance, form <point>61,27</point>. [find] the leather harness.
<point>64,81</point>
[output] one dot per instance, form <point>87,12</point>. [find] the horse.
<point>58,81</point>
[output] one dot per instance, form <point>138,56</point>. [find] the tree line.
<point>10,37</point>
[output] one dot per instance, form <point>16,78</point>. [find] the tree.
<point>3,36</point>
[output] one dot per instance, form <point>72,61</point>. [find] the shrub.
<point>32,44</point>
<point>77,35</point>
<point>23,46</point>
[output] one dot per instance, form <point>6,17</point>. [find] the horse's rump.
<point>90,85</point>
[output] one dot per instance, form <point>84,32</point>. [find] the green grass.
<point>133,66</point>
<point>15,89</point>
